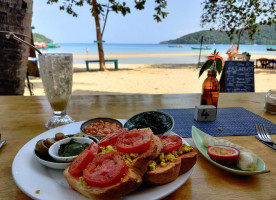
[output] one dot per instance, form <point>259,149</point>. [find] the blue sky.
<point>138,27</point>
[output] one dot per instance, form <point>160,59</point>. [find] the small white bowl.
<point>51,164</point>
<point>53,150</point>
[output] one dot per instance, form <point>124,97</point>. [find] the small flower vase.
<point>210,90</point>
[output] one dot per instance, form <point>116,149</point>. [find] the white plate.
<point>30,175</point>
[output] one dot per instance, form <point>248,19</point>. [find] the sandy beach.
<point>146,79</point>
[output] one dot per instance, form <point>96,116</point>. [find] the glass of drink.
<point>270,102</point>
<point>56,71</point>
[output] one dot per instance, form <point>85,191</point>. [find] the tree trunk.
<point>239,37</point>
<point>16,17</point>
<point>99,35</point>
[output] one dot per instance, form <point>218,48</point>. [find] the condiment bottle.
<point>210,90</point>
<point>270,102</point>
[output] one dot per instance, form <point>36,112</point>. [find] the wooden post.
<point>201,41</point>
<point>16,17</point>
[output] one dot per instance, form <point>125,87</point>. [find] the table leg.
<point>116,65</point>
<point>87,67</point>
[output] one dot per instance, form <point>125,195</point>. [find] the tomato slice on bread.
<point>170,142</point>
<point>133,141</point>
<point>105,170</point>
<point>112,138</point>
<point>83,159</point>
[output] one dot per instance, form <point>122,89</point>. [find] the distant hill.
<point>41,38</point>
<point>267,36</point>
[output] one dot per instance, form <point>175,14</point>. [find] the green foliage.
<point>266,36</point>
<point>219,65</point>
<point>111,5</point>
<point>206,66</point>
<point>41,38</point>
<point>214,64</point>
<point>237,16</point>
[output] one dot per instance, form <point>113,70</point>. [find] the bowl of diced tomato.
<point>100,127</point>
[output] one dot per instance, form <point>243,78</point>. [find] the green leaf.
<point>206,66</point>
<point>219,65</point>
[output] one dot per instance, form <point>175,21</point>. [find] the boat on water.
<point>44,45</point>
<point>202,48</point>
<point>271,48</point>
<point>176,46</point>
<point>41,45</point>
<point>53,45</point>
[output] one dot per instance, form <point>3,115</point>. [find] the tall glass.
<point>56,71</point>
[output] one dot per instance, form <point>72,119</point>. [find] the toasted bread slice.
<point>128,183</point>
<point>188,160</point>
<point>163,174</point>
<point>168,173</point>
<point>142,161</point>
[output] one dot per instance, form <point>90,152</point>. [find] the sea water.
<point>192,56</point>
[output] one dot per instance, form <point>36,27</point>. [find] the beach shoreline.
<point>154,53</point>
<point>130,55</point>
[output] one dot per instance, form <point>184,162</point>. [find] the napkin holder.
<point>205,113</point>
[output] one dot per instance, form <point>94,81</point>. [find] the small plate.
<point>48,161</point>
<point>158,122</point>
<point>198,137</point>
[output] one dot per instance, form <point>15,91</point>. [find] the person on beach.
<point>86,50</point>
<point>232,51</point>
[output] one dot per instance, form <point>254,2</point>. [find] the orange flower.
<point>214,56</point>
<point>214,62</point>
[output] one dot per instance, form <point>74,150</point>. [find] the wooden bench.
<point>89,61</point>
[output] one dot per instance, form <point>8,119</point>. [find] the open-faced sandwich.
<point>175,159</point>
<point>120,162</point>
<point>115,166</point>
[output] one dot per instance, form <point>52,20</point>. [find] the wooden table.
<point>23,118</point>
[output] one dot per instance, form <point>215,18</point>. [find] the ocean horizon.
<point>115,49</point>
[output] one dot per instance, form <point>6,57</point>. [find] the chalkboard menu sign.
<point>239,76</point>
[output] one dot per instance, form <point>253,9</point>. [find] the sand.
<point>146,79</point>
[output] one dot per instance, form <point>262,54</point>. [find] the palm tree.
<point>16,17</point>
<point>95,13</point>
<point>101,9</point>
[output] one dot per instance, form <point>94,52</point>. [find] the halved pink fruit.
<point>223,154</point>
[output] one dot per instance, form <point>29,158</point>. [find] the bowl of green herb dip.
<point>68,149</point>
